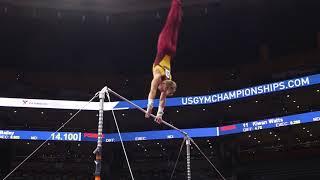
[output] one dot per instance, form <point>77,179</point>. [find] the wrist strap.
<point>160,111</point>
<point>150,103</point>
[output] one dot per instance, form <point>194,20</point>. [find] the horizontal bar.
<point>178,101</point>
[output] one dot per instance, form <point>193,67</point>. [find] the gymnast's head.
<point>169,87</point>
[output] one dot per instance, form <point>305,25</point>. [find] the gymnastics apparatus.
<point>105,92</point>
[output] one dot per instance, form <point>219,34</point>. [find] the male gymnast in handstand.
<point>166,50</point>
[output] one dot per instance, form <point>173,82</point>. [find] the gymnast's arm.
<point>162,104</point>
<point>153,91</point>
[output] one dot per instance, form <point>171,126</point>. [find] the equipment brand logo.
<point>25,102</point>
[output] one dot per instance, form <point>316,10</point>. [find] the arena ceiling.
<point>105,6</point>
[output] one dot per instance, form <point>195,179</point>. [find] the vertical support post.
<point>98,150</point>
<point>188,144</point>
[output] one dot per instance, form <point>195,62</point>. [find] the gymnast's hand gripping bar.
<point>141,109</point>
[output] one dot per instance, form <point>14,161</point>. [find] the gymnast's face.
<point>165,88</point>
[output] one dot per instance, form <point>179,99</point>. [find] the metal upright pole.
<point>188,144</point>
<point>98,150</point>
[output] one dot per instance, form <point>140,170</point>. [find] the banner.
<point>178,101</point>
<point>165,134</point>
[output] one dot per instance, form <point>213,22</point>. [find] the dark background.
<point>70,50</point>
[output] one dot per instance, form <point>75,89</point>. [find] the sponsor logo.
<point>29,102</point>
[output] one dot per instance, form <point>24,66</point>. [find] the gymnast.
<point>166,50</point>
